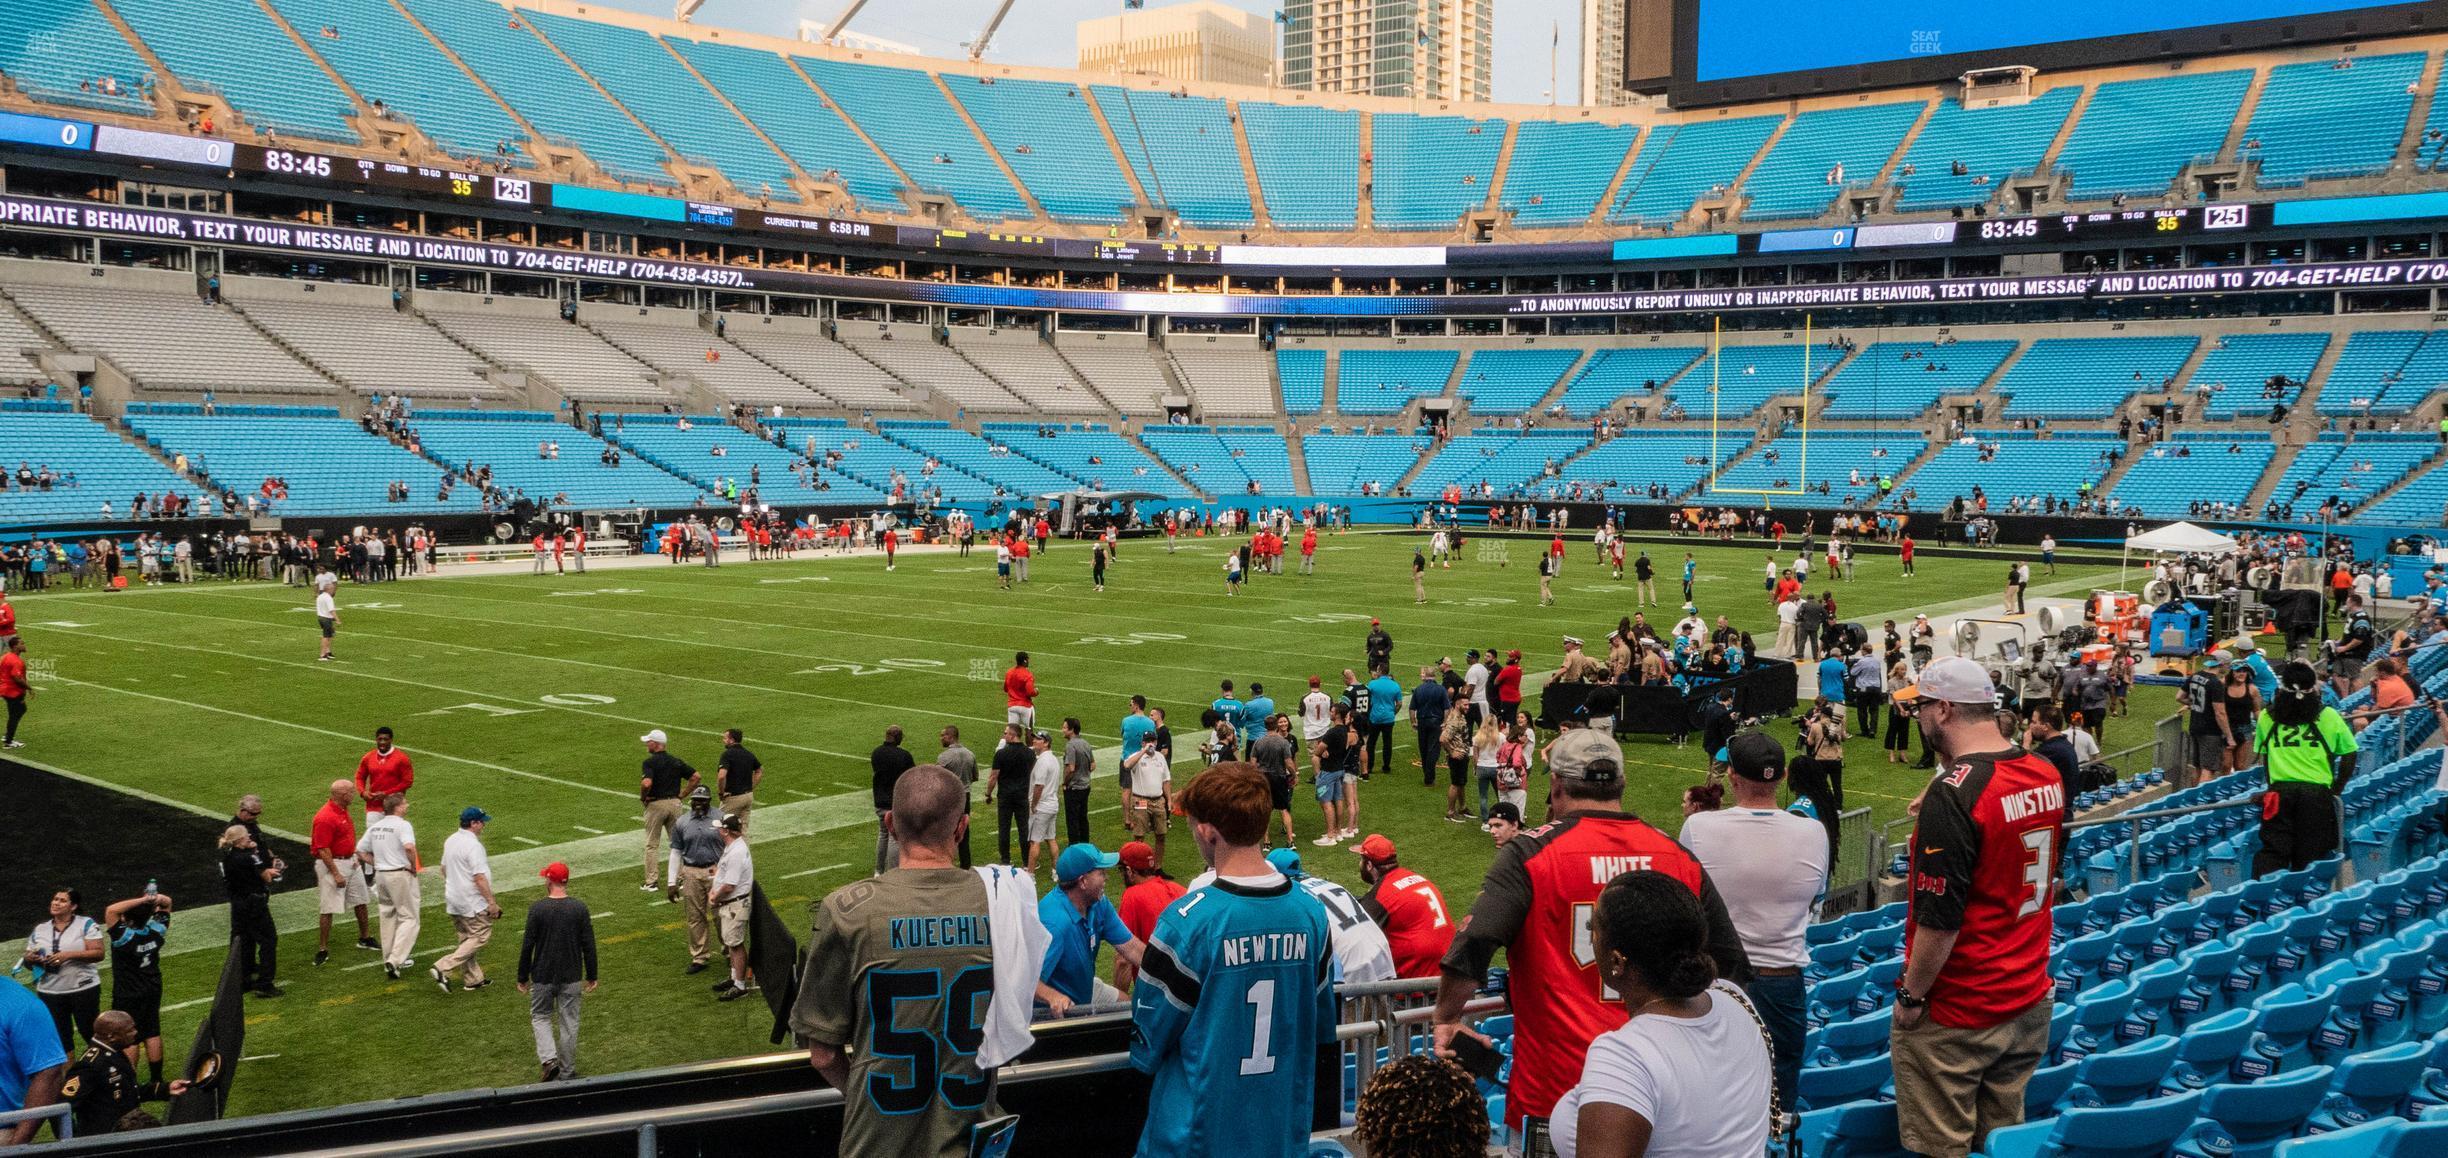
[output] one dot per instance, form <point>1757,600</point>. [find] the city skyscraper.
<point>1196,40</point>
<point>1431,49</point>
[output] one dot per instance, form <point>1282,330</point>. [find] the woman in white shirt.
<point>1688,1075</point>
<point>65,953</point>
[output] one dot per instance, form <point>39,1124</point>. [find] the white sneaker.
<point>1327,841</point>
<point>650,887</point>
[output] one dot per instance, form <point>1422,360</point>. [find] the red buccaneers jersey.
<point>1412,912</point>
<point>1537,904</point>
<point>1985,855</point>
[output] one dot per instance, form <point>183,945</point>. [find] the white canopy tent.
<point>2175,539</point>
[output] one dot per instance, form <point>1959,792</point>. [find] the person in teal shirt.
<point>2264,678</point>
<point>1227,707</point>
<point>1385,706</point>
<point>1254,716</point>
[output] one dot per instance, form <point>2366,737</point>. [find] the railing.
<point>2140,817</point>
<point>64,1128</point>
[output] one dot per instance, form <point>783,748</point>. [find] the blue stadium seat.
<point>2388,1138</point>
<point>94,465</point>
<point>1308,161</point>
<point>2251,1120</point>
<point>1303,374</point>
<point>1848,463</point>
<point>2166,479</point>
<point>1183,150</point>
<point>1679,164</point>
<point>332,466</point>
<point>2369,1085</point>
<point>2316,121</point>
<point>1426,172</point>
<point>2136,134</point>
<point>2141,1130</point>
<point>2126,1074</point>
<point>1904,379</point>
<point>1823,1086</point>
<point>386,59</point>
<point>1560,169</point>
<point>910,119</point>
<point>1992,144</point>
<point>2089,377</point>
<point>1618,373</point>
<point>2237,367</point>
<point>1822,154</point>
<point>1737,380</point>
<point>644,75</point>
<point>1511,381</point>
<point>2282,1037</point>
<point>1386,381</point>
<point>1863,1129</point>
<point>234,48</point>
<point>2207,1053</point>
<point>765,89</point>
<point>1046,133</point>
<point>62,52</point>
<point>543,88</point>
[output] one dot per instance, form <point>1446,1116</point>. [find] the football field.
<point>526,695</point>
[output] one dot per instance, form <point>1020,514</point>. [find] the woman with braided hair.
<point>1421,1106</point>
<point>1688,1075</point>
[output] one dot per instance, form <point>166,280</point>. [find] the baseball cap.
<point>1923,615</point>
<point>1572,641</point>
<point>1504,810</point>
<point>1756,756</point>
<point>472,814</point>
<point>654,737</point>
<point>733,823</point>
<point>1513,654</point>
<point>1374,623</point>
<point>701,792</point>
<point>1587,755</point>
<point>1471,654</point>
<point>1081,859</point>
<point>1956,680</point>
<point>1285,860</point>
<point>1377,848</point>
<point>2211,659</point>
<point>1042,734</point>
<point>556,872</point>
<point>1137,855</point>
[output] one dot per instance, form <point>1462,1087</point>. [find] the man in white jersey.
<point>1475,679</point>
<point>1361,950</point>
<point>1317,715</point>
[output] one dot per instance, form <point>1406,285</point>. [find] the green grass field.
<point>526,695</point>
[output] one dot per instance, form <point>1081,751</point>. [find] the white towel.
<point>1020,943</point>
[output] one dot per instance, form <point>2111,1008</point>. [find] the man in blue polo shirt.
<point>1385,703</point>
<point>1080,918</point>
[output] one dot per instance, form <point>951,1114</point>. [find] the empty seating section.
<point>1834,458</point>
<point>1235,383</point>
<point>2238,366</point>
<point>688,351</point>
<point>1744,377</point>
<point>2020,466</point>
<point>1126,373</point>
<point>95,467</point>
<point>2316,120</point>
<point>541,87</point>
<point>2136,134</point>
<point>1304,380</point>
<point>771,95</point>
<point>233,48</point>
<point>2168,478</point>
<point>1385,381</point>
<point>2422,502</point>
<point>2432,153</point>
<point>1902,379</point>
<point>975,456</point>
<point>1224,460</point>
<point>1308,161</point>
<point>1045,132</point>
<point>17,338</point>
<point>1821,155</point>
<point>1340,463</point>
<point>1679,164</point>
<point>923,364</point>
<point>1183,150</point>
<point>2090,377</point>
<point>2350,472</point>
<point>1560,169</point>
<point>823,364</point>
<point>691,454</point>
<point>1037,374</point>
<point>2385,372</point>
<point>1631,462</point>
<point>1091,453</point>
<point>1991,144</point>
<point>872,459</point>
<point>646,77</point>
<point>392,62</point>
<point>372,349</point>
<point>63,52</point>
<point>1502,458</point>
<point>570,358</point>
<point>507,441</point>
<point>332,466</point>
<point>168,341</point>
<point>1504,382</point>
<point>1429,171</point>
<point>1616,374</point>
<point>903,112</point>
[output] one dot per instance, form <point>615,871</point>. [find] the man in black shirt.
<point>250,815</point>
<point>662,777</point>
<point>136,928</point>
<point>1380,646</point>
<point>2046,739</point>
<point>249,871</point>
<point>101,1083</point>
<point>741,772</point>
<point>887,762</point>
<point>1011,765</point>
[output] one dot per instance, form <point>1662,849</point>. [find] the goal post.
<point>1767,495</point>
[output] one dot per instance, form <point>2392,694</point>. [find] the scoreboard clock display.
<point>360,172</point>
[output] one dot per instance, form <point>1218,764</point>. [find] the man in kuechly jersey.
<point>1234,1009</point>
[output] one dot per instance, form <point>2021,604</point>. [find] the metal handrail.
<point>2133,839</point>
<point>64,1129</point>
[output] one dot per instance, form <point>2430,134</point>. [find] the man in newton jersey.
<point>1235,1003</point>
<point>1536,904</point>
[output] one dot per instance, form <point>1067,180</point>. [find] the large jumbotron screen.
<point>1742,49</point>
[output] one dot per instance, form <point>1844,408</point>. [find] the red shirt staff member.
<point>1536,904</point>
<point>339,885</point>
<point>1407,906</point>
<point>385,771</point>
<point>14,688</point>
<point>892,544</point>
<point>1972,1008</point>
<point>1020,692</point>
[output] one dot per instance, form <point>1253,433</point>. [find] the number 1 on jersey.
<point>1261,1059</point>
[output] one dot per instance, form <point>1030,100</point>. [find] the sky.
<point>1040,32</point>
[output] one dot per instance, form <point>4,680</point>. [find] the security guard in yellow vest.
<point>2308,752</point>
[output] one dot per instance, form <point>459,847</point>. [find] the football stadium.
<point>578,581</point>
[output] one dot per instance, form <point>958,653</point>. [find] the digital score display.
<point>366,173</point>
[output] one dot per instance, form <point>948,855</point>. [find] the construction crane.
<point>985,37</point>
<point>839,22</point>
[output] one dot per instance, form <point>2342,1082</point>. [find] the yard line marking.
<point>487,765</point>
<point>845,784</point>
<point>813,796</point>
<point>259,1057</point>
<point>583,828</point>
<point>354,968</point>
<point>431,686</point>
<point>812,872</point>
<point>601,916</point>
<point>527,840</point>
<point>186,1005</point>
<point>141,794</point>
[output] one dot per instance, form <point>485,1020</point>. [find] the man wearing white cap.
<point>662,777</point>
<point>1972,1007</point>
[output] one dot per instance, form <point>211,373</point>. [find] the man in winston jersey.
<point>1537,903</point>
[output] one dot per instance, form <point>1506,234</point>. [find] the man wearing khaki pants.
<point>390,846</point>
<point>467,895</point>
<point>662,777</point>
<point>697,844</point>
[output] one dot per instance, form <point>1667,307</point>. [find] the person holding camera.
<point>1147,799</point>
<point>1819,775</point>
